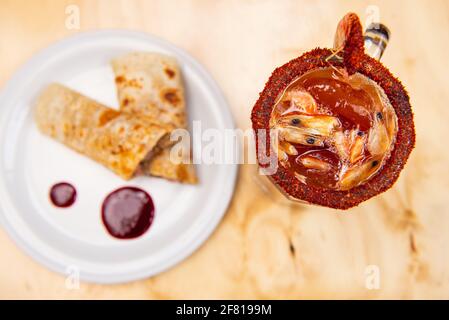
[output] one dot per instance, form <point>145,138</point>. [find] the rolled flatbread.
<point>150,84</point>
<point>119,141</point>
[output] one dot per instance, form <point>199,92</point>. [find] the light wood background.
<point>262,249</point>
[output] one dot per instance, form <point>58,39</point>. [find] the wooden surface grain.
<point>263,249</point>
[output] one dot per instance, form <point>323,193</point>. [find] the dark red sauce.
<point>63,194</point>
<point>127,212</point>
<point>324,179</point>
<point>362,114</point>
<point>349,104</point>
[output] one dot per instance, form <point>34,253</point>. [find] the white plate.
<point>74,239</point>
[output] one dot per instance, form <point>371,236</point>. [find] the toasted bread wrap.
<point>119,141</point>
<point>150,84</point>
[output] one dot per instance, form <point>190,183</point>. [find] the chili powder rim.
<point>385,177</point>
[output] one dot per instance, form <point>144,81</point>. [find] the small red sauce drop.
<point>127,212</point>
<point>63,194</point>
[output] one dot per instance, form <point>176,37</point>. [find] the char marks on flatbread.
<point>150,84</point>
<point>117,140</point>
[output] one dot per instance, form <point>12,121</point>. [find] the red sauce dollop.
<point>127,212</point>
<point>63,194</point>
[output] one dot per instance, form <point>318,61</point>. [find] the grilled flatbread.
<point>119,141</point>
<point>150,84</point>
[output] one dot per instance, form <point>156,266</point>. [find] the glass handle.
<point>376,40</point>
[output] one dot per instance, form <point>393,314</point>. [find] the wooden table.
<point>263,249</point>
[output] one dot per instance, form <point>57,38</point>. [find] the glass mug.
<point>375,40</point>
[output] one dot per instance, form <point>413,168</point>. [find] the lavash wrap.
<point>117,140</point>
<point>150,84</point>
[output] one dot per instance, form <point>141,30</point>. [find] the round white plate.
<point>74,240</point>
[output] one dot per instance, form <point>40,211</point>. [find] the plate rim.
<point>227,195</point>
